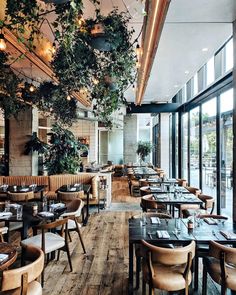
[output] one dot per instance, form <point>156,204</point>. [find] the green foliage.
<point>63,155</point>
<point>144,149</point>
<point>35,145</point>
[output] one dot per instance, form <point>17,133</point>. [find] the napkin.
<point>57,205</point>
<point>228,235</point>
<point>77,184</point>
<point>163,234</point>
<point>24,189</point>
<point>72,189</point>
<point>5,214</point>
<point>155,220</point>
<point>3,257</point>
<point>210,220</point>
<point>155,189</point>
<point>46,214</point>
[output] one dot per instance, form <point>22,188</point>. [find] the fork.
<point>150,235</point>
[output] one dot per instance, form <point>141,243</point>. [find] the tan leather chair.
<point>182,182</point>
<point>139,254</point>
<point>20,197</point>
<point>69,196</point>
<point>196,192</point>
<point>148,204</point>
<point>206,208</point>
<point>22,280</point>
<point>167,269</point>
<point>221,266</point>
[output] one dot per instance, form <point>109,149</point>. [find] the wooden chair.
<point>75,208</point>
<point>206,208</point>
<point>22,280</point>
<point>49,241</point>
<point>3,231</point>
<point>20,197</point>
<point>220,264</point>
<point>167,269</point>
<point>181,182</point>
<point>148,203</point>
<point>139,249</point>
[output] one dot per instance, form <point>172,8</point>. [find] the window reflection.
<point>194,147</point>
<point>185,147</point>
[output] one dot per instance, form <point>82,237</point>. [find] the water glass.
<point>177,226</point>
<point>23,184</point>
<point>19,211</point>
<point>7,206</point>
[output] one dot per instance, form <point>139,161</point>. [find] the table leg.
<point>87,210</point>
<point>131,268</point>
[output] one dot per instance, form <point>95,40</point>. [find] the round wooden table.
<point>6,248</point>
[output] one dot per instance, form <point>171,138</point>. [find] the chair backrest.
<point>22,276</point>
<point>69,196</point>
<point>168,256</point>
<point>216,250</point>
<point>21,197</point>
<point>193,190</point>
<point>74,208</point>
<point>148,202</point>
<point>209,202</point>
<point>182,182</point>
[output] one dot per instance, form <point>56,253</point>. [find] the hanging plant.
<point>35,145</point>
<point>10,90</point>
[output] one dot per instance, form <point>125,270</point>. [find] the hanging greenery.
<point>10,90</point>
<point>79,63</point>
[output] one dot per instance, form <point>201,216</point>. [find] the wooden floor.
<point>104,269</point>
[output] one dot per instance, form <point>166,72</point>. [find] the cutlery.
<point>150,235</point>
<point>214,234</point>
<point>175,234</point>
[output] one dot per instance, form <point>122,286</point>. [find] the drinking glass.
<point>23,184</point>
<point>177,226</point>
<point>19,211</point>
<point>7,206</point>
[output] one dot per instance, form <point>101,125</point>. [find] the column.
<point>164,142</point>
<point>130,138</point>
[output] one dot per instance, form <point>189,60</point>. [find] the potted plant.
<point>144,149</point>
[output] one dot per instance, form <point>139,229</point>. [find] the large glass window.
<point>226,122</point>
<point>229,60</point>
<point>185,146</point>
<point>176,144</point>
<point>194,147</point>
<point>209,147</point>
<point>210,71</point>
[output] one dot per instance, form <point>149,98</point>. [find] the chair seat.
<point>34,288</point>
<point>15,225</point>
<point>52,242</point>
<point>166,278</point>
<point>213,268</point>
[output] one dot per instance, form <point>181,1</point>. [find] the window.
<point>210,71</point>
<point>176,144</point>
<point>229,61</point>
<point>226,124</point>
<point>195,84</point>
<point>209,147</point>
<point>185,146</point>
<point>194,147</point>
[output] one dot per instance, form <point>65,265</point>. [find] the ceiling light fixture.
<point>186,72</point>
<point>3,44</point>
<point>205,49</point>
<point>176,85</point>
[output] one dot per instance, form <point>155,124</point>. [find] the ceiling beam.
<point>153,24</point>
<point>153,108</point>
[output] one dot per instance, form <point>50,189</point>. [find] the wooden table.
<point>144,171</point>
<point>201,235</point>
<point>146,190</point>
<point>72,189</point>
<point>6,248</point>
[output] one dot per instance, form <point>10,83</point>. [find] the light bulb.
<point>3,44</point>
<point>95,81</point>
<point>68,97</point>
<point>31,88</point>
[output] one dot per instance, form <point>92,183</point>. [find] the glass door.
<point>209,147</point>
<point>184,146</point>
<point>226,124</point>
<point>194,147</point>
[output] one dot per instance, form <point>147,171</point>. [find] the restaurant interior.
<point>117,147</point>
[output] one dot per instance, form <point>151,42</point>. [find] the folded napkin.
<point>24,189</point>
<point>57,205</point>
<point>72,189</point>
<point>155,220</point>
<point>210,220</point>
<point>45,214</point>
<point>163,234</point>
<point>3,257</point>
<point>228,235</point>
<point>5,214</point>
<point>155,189</point>
<point>77,184</point>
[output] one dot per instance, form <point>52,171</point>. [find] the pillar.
<point>130,138</point>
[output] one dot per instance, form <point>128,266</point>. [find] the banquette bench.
<point>54,182</point>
